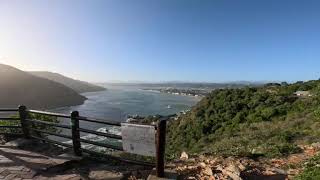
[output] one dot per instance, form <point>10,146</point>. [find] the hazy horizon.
<point>163,41</point>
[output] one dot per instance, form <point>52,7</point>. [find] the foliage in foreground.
<point>268,121</point>
<point>311,170</point>
<point>31,125</point>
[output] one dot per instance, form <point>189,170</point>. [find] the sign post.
<point>161,142</point>
<point>145,140</point>
<point>138,139</point>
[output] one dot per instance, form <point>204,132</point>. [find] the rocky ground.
<point>200,167</point>
<point>211,168</point>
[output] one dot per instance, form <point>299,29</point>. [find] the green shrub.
<point>31,125</point>
<point>268,121</point>
<point>311,170</point>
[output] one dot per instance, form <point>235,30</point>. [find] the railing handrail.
<point>53,141</point>
<point>49,123</point>
<point>9,110</point>
<point>100,121</point>
<point>113,136</point>
<point>82,118</point>
<point>101,144</point>
<point>9,119</point>
<point>51,133</point>
<point>49,113</point>
<point>75,128</point>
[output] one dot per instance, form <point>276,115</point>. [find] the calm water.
<point>118,102</point>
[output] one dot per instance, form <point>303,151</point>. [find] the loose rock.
<point>184,156</point>
<point>208,171</point>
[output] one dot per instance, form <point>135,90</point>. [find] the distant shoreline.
<point>172,93</point>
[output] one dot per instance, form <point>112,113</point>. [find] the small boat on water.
<point>169,107</point>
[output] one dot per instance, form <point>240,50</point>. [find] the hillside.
<point>19,87</point>
<point>78,86</point>
<point>268,121</point>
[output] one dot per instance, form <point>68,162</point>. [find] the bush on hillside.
<point>266,121</point>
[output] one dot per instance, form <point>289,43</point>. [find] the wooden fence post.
<point>161,142</point>
<point>23,113</point>
<point>75,133</point>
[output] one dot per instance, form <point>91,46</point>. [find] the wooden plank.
<point>49,124</point>
<point>11,127</point>
<point>8,119</point>
<point>52,133</point>
<point>9,110</point>
<point>24,124</point>
<point>100,121</point>
<point>49,113</point>
<point>11,134</point>
<point>161,142</point>
<point>75,133</point>
<point>52,141</point>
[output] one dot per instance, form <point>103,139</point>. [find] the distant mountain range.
<point>189,85</point>
<point>78,86</point>
<point>19,87</point>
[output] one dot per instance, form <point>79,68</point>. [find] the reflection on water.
<point>116,103</point>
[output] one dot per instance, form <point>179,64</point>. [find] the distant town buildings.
<point>184,92</point>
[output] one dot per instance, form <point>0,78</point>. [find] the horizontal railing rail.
<point>9,119</point>
<point>51,133</point>
<point>30,129</point>
<point>49,123</point>
<point>101,144</point>
<point>9,110</point>
<point>49,113</point>
<point>12,127</point>
<point>52,141</point>
<point>113,136</point>
<point>99,121</point>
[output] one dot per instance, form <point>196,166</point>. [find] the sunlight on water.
<point>116,103</point>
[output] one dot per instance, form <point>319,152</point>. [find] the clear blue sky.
<point>164,40</point>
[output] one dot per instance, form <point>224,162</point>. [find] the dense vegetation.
<point>263,121</point>
<point>311,170</point>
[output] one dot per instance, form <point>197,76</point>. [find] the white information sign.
<point>138,139</point>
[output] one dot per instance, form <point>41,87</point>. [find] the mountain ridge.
<point>77,85</point>
<point>19,87</point>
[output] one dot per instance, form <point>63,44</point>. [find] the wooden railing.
<point>76,119</point>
